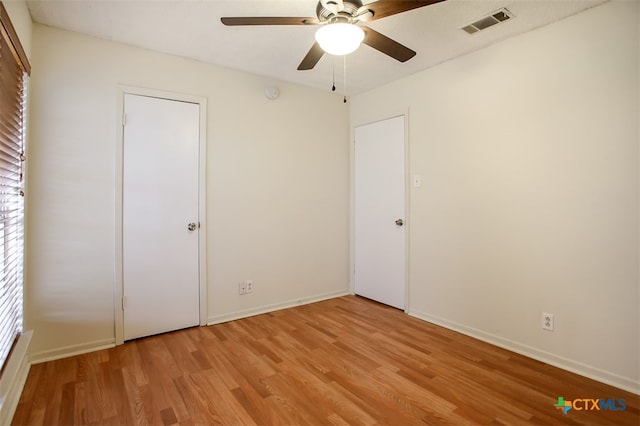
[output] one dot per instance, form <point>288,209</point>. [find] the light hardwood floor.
<point>342,361</point>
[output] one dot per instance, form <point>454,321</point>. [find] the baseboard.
<point>72,350</point>
<point>14,377</point>
<point>217,319</point>
<point>537,354</point>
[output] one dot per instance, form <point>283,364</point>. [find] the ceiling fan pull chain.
<point>333,67</point>
<point>344,73</point>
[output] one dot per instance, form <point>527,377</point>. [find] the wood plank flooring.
<point>342,361</point>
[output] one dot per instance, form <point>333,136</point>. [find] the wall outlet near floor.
<point>547,321</point>
<point>245,287</point>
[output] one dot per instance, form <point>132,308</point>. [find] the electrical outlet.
<point>245,287</point>
<point>547,321</point>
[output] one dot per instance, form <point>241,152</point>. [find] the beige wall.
<point>528,152</point>
<point>277,202</point>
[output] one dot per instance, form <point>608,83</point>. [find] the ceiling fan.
<point>340,33</point>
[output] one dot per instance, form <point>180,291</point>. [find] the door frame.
<point>119,192</point>
<point>352,202</point>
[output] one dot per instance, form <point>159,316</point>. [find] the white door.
<point>160,215</point>
<point>380,212</point>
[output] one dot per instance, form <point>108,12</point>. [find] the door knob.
<point>399,222</point>
<point>192,226</point>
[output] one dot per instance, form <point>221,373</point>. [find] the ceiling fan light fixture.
<point>339,38</point>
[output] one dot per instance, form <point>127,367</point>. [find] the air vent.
<point>489,21</point>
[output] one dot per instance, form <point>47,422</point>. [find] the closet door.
<point>161,287</point>
<point>380,267</point>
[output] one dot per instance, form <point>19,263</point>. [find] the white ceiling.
<point>192,28</point>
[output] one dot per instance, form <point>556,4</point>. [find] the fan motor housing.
<point>349,12</point>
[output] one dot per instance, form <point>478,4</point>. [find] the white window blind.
<point>14,67</point>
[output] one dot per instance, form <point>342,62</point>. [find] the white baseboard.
<point>231,316</point>
<point>72,350</point>
<point>14,377</point>
<point>537,354</point>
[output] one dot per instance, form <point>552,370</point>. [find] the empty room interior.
<point>224,222</point>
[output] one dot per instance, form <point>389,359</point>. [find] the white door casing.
<point>160,198</point>
<point>380,247</point>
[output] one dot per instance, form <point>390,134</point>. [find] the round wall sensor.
<point>271,93</point>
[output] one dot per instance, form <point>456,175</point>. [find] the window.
<point>14,67</point>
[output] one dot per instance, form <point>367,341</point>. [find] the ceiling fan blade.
<point>311,59</point>
<point>386,45</point>
<point>267,20</point>
<point>384,8</point>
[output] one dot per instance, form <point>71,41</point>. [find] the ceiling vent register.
<point>489,21</point>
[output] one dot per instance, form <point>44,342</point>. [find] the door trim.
<point>119,191</point>
<point>407,195</point>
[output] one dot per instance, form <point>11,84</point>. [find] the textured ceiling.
<point>192,28</point>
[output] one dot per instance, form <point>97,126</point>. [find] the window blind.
<point>13,69</point>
